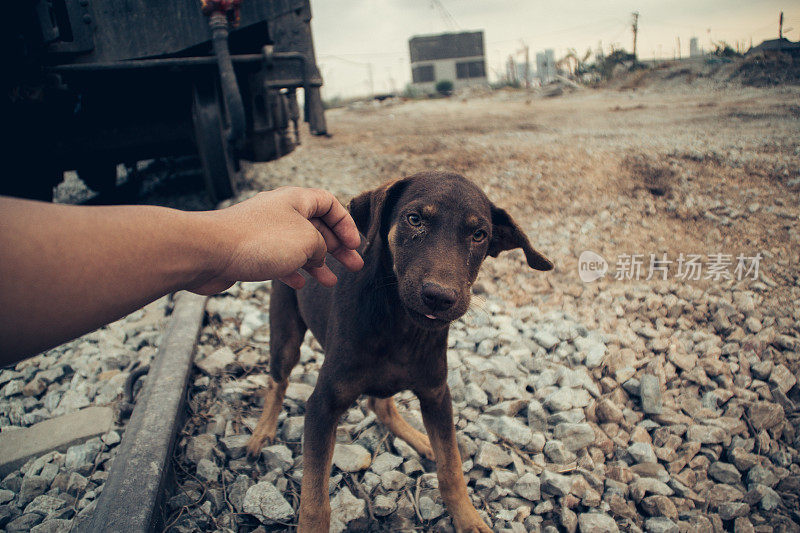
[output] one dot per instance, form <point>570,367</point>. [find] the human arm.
<point>66,270</point>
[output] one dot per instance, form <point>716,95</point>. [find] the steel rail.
<point>133,497</point>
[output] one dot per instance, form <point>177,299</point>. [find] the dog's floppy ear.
<point>507,235</point>
<point>359,208</point>
<point>371,209</point>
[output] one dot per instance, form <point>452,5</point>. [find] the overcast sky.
<point>353,37</point>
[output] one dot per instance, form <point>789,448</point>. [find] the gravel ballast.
<point>57,490</point>
<point>637,404</point>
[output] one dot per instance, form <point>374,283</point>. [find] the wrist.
<point>206,248</point>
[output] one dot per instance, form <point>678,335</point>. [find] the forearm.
<point>66,270</point>
<point>77,268</point>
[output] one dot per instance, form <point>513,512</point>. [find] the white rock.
<point>529,487</point>
<point>13,388</point>
<point>555,484</point>
<point>299,392</point>
<point>277,456</point>
<point>474,396</point>
<point>429,509</point>
<point>508,428</point>
<point>72,400</point>
<point>491,456</point>
<point>642,452</point>
<point>384,505</point>
<point>344,509</point>
<point>111,438</point>
<point>351,457</point>
<point>545,339</point>
<point>596,523</point>
<point>218,362</point>
<point>207,471</point>
<point>782,378</point>
<point>267,504</point>
<point>574,436</point>
<point>385,462</point>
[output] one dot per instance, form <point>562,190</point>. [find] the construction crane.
<point>445,14</point>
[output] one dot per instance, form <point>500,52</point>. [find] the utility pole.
<point>780,27</point>
<point>635,26</point>
<point>527,69</point>
<point>679,47</point>
<point>371,82</point>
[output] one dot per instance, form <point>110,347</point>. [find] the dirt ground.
<point>692,171</point>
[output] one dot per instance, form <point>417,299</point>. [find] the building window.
<point>422,74</point>
<point>470,69</point>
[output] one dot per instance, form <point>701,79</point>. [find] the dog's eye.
<point>479,236</point>
<point>414,219</point>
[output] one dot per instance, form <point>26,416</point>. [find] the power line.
<point>445,14</point>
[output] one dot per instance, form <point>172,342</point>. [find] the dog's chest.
<point>388,378</point>
<point>404,367</point>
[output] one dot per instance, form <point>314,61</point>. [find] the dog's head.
<point>437,229</point>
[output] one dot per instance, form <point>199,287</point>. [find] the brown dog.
<point>384,329</point>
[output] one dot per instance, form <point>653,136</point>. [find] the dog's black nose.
<point>438,298</point>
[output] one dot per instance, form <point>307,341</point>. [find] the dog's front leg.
<point>437,413</point>
<point>323,410</point>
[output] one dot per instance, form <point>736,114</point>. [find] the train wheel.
<point>220,168</point>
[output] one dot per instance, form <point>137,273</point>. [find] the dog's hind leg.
<point>286,335</point>
<point>387,413</point>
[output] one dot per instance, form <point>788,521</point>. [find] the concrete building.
<point>457,57</point>
<point>546,66</point>
<point>694,48</point>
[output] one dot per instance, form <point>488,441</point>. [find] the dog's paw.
<point>253,450</point>
<point>478,526</point>
<point>422,445</point>
<point>255,444</point>
<point>426,451</point>
<point>471,522</point>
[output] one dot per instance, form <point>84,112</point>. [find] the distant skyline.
<point>356,37</point>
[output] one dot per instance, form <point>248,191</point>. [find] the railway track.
<point>133,496</point>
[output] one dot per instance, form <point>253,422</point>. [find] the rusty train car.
<point>91,84</point>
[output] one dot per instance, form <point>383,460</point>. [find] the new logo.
<point>591,266</point>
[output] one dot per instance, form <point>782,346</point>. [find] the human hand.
<point>275,234</point>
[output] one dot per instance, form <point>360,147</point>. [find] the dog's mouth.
<point>428,316</point>
<point>427,320</point>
